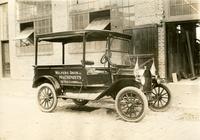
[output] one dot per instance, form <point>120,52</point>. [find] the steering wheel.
<point>106,58</point>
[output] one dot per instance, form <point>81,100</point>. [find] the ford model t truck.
<point>86,81</point>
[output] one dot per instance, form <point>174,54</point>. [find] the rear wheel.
<point>80,102</point>
<point>131,104</point>
<point>160,98</point>
<point>47,99</point>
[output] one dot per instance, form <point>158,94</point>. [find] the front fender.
<point>47,79</point>
<point>118,85</point>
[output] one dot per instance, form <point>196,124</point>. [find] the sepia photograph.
<point>99,69</point>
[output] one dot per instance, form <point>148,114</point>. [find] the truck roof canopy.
<point>77,36</point>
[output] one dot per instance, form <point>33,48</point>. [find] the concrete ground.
<point>186,93</point>
<point>20,117</point>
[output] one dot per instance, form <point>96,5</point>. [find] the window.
<point>79,21</point>
<point>99,20</point>
<point>121,13</point>
<point>33,9</point>
<point>184,7</point>
<point>122,18</point>
<point>43,26</point>
<point>26,35</point>
<point>34,17</point>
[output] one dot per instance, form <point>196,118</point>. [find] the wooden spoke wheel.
<point>131,104</point>
<point>80,102</point>
<point>160,98</point>
<point>47,98</point>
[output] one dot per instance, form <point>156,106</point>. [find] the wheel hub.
<point>47,99</point>
<point>159,96</point>
<point>130,105</point>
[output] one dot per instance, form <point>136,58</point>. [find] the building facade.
<point>158,27</point>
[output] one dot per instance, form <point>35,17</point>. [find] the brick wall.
<point>151,12</point>
<point>161,52</point>
<point>145,12</point>
<point>60,15</point>
<point>161,40</point>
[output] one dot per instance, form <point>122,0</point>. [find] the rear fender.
<point>118,85</point>
<point>48,79</point>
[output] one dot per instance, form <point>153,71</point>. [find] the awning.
<point>98,24</point>
<point>25,34</point>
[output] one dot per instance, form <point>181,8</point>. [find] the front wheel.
<point>131,104</point>
<point>47,98</point>
<point>160,98</point>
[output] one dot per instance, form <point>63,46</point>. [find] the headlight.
<point>158,80</point>
<point>142,80</point>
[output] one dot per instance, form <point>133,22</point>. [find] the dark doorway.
<point>145,44</point>
<point>5,59</point>
<point>183,49</point>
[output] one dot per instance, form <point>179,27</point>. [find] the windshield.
<point>120,52</point>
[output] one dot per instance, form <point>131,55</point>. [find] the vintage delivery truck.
<point>85,81</point>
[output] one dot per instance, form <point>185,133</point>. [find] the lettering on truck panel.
<point>68,76</point>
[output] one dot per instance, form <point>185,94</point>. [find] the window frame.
<point>47,28</point>
<point>169,18</point>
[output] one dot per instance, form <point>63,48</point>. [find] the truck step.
<point>84,96</point>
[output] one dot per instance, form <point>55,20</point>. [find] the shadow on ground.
<point>90,108</point>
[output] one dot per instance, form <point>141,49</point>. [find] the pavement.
<point>16,87</point>
<point>21,119</point>
<point>186,93</point>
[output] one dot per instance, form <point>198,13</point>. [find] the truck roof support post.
<point>84,44</point>
<point>108,51</point>
<point>36,50</point>
<point>63,53</point>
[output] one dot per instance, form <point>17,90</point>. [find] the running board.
<point>84,96</point>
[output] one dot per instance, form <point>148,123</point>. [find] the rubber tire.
<point>80,103</point>
<point>169,100</point>
<point>55,101</point>
<point>142,96</point>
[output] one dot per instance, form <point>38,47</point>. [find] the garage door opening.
<point>183,49</point>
